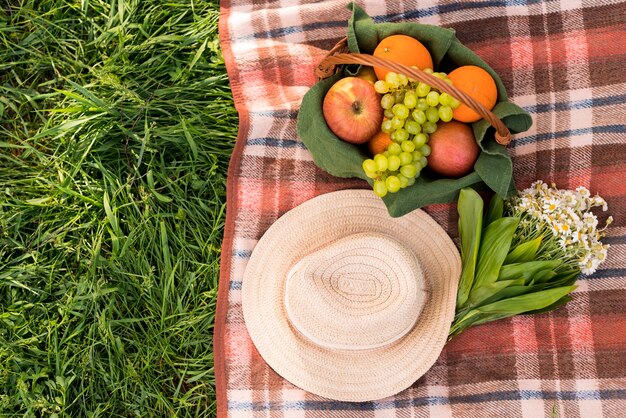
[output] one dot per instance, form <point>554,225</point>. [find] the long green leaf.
<point>525,303</point>
<point>526,270</point>
<point>566,278</point>
<point>537,302</point>
<point>466,321</point>
<point>524,252</point>
<point>496,241</point>
<point>552,307</point>
<point>480,294</point>
<point>470,207</point>
<point>514,290</point>
<point>543,276</point>
<point>496,207</point>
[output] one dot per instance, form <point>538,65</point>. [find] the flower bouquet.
<point>525,254</point>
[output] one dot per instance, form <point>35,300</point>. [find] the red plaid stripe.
<point>561,60</point>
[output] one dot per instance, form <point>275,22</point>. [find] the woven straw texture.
<point>325,227</point>
<point>361,292</point>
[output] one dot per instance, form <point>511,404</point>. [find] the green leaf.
<point>496,241</point>
<point>524,252</point>
<point>496,207</point>
<point>565,278</point>
<point>515,290</point>
<point>115,242</point>
<point>160,197</point>
<point>536,302</point>
<point>462,323</point>
<point>525,303</point>
<point>489,291</point>
<point>64,128</point>
<point>543,276</point>
<point>87,96</point>
<point>192,144</point>
<point>41,201</point>
<point>512,291</point>
<point>552,307</point>
<point>165,247</point>
<point>470,208</point>
<point>526,270</point>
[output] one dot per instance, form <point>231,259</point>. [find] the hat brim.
<point>344,374</point>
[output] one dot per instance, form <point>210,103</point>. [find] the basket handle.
<point>326,68</point>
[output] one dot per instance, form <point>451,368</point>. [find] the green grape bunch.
<point>412,109</point>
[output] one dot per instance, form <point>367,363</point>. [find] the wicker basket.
<point>493,169</point>
<point>328,66</point>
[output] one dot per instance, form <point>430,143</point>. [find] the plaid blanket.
<point>563,61</point>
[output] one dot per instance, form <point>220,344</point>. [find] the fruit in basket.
<point>398,166</point>
<point>352,110</point>
<point>414,113</point>
<point>402,49</point>
<point>379,143</point>
<point>412,110</point>
<point>367,74</point>
<point>477,83</point>
<point>425,105</point>
<point>453,149</point>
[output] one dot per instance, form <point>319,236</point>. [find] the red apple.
<point>352,110</point>
<point>453,149</point>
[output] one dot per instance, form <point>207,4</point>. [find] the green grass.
<point>116,126</point>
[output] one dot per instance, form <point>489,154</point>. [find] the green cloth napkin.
<point>339,158</point>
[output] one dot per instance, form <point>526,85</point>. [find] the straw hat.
<point>348,303</point>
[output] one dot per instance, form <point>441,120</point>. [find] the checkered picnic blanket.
<point>563,61</point>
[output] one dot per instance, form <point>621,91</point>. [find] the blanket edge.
<point>219,355</point>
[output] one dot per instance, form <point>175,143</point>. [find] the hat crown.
<point>361,292</point>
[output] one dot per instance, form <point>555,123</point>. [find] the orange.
<point>379,143</point>
<point>404,50</point>
<point>477,83</point>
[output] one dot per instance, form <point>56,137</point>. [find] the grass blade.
<point>115,226</point>
<point>165,248</point>
<point>108,290</point>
